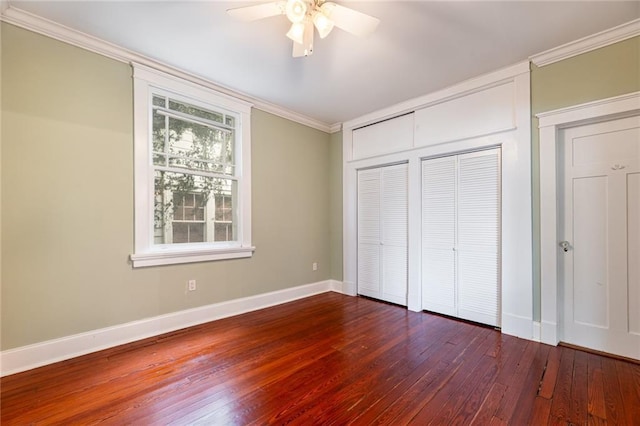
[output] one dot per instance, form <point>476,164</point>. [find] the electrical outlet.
<point>314,266</point>
<point>192,285</point>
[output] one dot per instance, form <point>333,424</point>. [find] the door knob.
<point>565,245</point>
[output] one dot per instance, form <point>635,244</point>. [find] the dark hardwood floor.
<point>329,359</point>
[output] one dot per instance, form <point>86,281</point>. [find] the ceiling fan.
<point>304,15</point>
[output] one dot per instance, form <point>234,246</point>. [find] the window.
<point>192,172</point>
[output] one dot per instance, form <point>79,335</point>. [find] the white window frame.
<point>145,81</point>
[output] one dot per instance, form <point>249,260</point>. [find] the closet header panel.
<point>385,137</point>
<point>481,113</point>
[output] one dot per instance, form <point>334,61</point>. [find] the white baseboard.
<point>28,357</point>
<point>549,333</point>
<point>336,286</point>
<point>516,325</point>
<point>349,288</point>
<point>536,331</point>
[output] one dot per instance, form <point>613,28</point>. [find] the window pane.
<point>178,208</point>
<point>186,209</point>
<point>199,213</point>
<point>159,101</point>
<point>224,232</point>
<point>180,232</point>
<point>159,160</point>
<point>224,208</point>
<point>159,132</point>
<point>184,232</point>
<point>195,111</point>
<point>197,147</point>
<point>196,233</point>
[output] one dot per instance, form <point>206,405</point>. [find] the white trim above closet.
<point>489,111</point>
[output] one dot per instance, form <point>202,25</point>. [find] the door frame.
<point>550,125</point>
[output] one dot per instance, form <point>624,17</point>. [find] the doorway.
<point>600,235</point>
<point>588,190</point>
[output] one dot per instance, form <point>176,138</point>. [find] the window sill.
<point>173,257</point>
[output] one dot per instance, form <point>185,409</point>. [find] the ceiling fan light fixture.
<point>323,24</point>
<point>296,32</point>
<point>306,47</point>
<point>306,16</point>
<point>326,8</point>
<point>296,10</point>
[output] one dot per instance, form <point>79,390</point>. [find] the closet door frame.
<point>517,292</point>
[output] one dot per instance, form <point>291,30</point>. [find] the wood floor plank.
<point>561,405</point>
<point>474,367</point>
<point>523,412</point>
<point>579,389</point>
<point>627,377</point>
<point>612,395</point>
<point>490,404</point>
<point>517,382</point>
<point>328,359</point>
<point>541,411</point>
<point>550,374</point>
<point>420,393</point>
<point>595,392</point>
<point>433,364</point>
<point>367,358</point>
<point>379,378</point>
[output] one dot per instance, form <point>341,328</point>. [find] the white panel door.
<point>382,233</point>
<point>461,236</point>
<point>601,228</point>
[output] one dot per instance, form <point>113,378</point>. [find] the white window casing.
<point>146,83</point>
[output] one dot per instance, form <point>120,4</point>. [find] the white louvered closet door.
<point>461,236</point>
<point>439,235</point>
<point>382,233</point>
<point>369,232</point>
<point>479,236</point>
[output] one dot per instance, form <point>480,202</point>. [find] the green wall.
<point>67,201</point>
<point>602,73</point>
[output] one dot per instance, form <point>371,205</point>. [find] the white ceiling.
<point>418,48</point>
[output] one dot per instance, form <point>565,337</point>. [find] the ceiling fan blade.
<point>306,48</point>
<point>259,11</point>
<point>350,20</point>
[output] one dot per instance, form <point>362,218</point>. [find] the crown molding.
<point>37,24</point>
<point>587,44</point>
